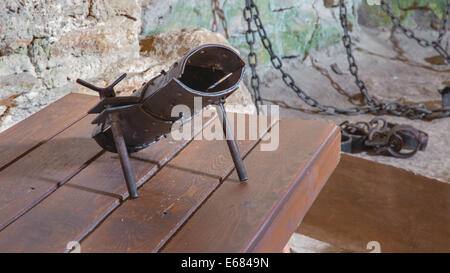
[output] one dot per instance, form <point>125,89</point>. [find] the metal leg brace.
<point>123,154</point>
<point>237,159</point>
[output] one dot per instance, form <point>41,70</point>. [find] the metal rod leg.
<point>123,154</point>
<point>237,159</point>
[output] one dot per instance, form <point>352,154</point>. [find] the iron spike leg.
<point>123,154</point>
<point>237,159</point>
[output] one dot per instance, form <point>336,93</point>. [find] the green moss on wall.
<point>295,27</point>
<point>407,10</point>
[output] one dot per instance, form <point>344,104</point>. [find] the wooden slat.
<point>43,125</point>
<point>33,177</point>
<point>145,224</point>
<point>236,216</point>
<point>297,202</point>
<point>94,192</point>
<point>365,201</point>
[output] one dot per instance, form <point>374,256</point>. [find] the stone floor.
<point>395,69</point>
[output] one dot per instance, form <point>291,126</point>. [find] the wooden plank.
<point>46,229</point>
<point>298,201</point>
<point>239,217</point>
<point>43,125</point>
<point>365,201</point>
<point>145,224</point>
<point>33,177</point>
<point>94,192</point>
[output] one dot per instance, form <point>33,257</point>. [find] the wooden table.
<point>57,185</point>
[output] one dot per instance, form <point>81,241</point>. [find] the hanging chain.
<point>251,12</point>
<point>353,67</point>
<point>437,45</point>
<point>218,15</point>
<point>372,106</point>
<point>419,111</point>
<point>252,58</point>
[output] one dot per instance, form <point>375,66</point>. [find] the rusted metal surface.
<point>382,137</point>
<point>59,195</point>
<point>129,124</point>
<point>237,159</point>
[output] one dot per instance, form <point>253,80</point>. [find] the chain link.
<point>251,12</point>
<point>437,45</point>
<point>218,15</point>
<point>373,106</point>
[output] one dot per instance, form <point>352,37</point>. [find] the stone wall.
<point>414,13</point>
<point>46,44</point>
<point>295,27</point>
